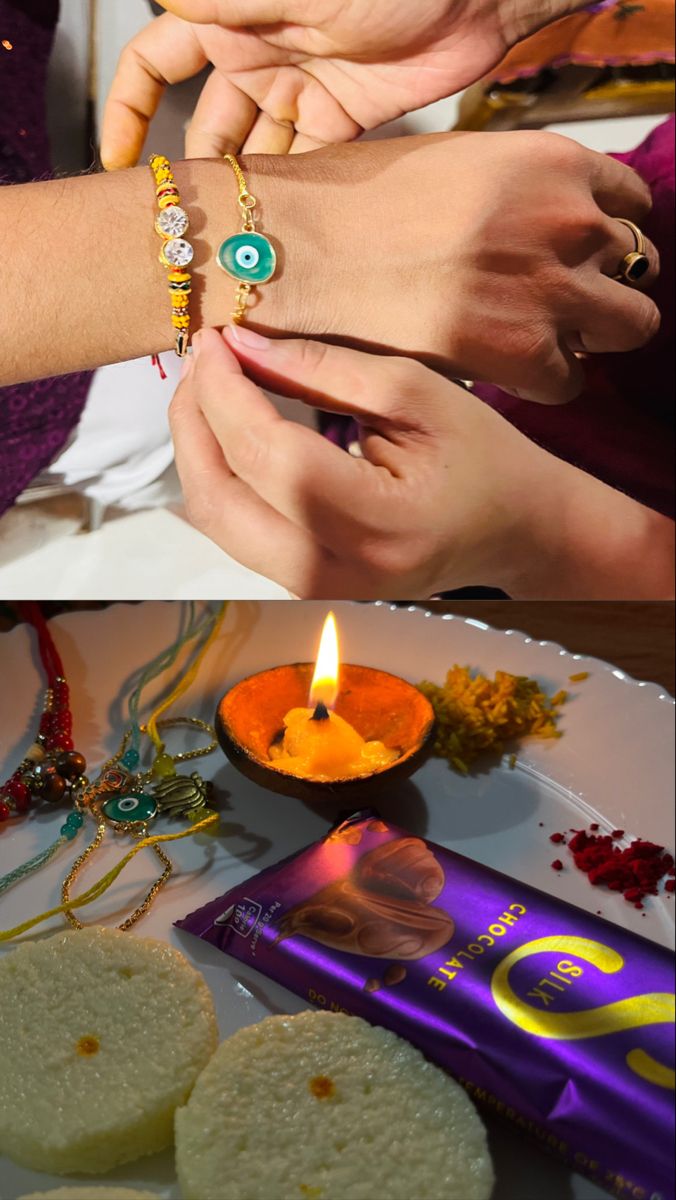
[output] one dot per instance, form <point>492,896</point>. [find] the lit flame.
<point>324,688</point>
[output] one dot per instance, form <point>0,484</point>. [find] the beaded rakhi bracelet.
<point>176,253</point>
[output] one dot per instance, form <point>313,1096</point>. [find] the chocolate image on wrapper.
<point>405,867</point>
<point>347,917</point>
<point>558,1020</point>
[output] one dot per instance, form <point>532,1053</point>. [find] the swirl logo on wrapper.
<point>555,1019</point>
<point>629,1013</point>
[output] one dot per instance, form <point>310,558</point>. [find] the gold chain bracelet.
<point>248,257</point>
<point>114,799</point>
<point>176,253</point>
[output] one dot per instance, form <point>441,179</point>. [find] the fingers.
<point>303,144</point>
<point>540,367</point>
<point>226,510</point>
<point>618,190</point>
<point>380,390</point>
<point>300,474</point>
<point>616,318</point>
<point>165,52</point>
<point>561,378</point>
<point>269,136</point>
<point>620,242</point>
<point>223,118</point>
<point>274,135</point>
<point>232,12</point>
<point>619,319</point>
<point>297,95</point>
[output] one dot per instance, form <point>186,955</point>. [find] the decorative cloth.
<point>637,33</point>
<point>35,418</point>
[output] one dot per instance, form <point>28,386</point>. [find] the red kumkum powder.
<point>634,871</point>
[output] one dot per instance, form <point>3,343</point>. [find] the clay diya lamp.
<point>325,730</point>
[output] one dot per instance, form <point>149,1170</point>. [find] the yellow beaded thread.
<point>176,253</point>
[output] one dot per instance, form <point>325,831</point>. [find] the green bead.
<point>248,258</point>
<point>164,766</point>
<point>75,819</point>
<point>130,807</point>
<point>68,831</point>
<point>130,759</point>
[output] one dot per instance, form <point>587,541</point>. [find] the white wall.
<point>71,75</point>
<point>67,92</point>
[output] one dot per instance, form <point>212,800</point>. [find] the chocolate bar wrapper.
<point>558,1020</point>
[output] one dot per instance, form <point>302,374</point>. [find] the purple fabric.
<point>619,429</point>
<point>35,418</point>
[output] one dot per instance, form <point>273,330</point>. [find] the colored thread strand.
<point>196,626</point>
<point>187,680</point>
<point>102,885</point>
<point>33,864</point>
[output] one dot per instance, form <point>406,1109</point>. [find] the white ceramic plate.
<point>614,765</point>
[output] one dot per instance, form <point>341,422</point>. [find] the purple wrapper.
<point>558,1020</point>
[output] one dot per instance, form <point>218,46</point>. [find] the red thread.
<point>157,362</point>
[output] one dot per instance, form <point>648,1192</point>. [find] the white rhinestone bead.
<point>172,221</point>
<point>178,253</point>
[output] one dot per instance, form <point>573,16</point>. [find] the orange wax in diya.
<point>363,729</point>
<point>318,744</point>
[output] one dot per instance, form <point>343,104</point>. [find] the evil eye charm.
<point>248,258</point>
<point>130,807</point>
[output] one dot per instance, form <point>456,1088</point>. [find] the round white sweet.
<point>91,1193</point>
<point>327,1107</point>
<point>102,1036</point>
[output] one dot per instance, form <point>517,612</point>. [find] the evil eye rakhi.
<point>247,257</point>
<point>176,253</point>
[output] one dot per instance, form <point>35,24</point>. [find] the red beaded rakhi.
<point>51,767</point>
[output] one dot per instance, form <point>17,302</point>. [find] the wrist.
<point>588,541</point>
<point>292,213</point>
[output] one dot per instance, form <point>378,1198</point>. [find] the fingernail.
<point>196,345</point>
<point>242,336</point>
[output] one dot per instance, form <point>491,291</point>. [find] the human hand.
<point>446,494</point>
<point>489,256</point>
<point>297,74</point>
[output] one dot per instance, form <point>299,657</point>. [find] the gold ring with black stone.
<point>635,264</point>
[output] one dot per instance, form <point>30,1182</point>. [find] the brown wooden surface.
<point>636,636</point>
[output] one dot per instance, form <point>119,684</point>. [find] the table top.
<point>637,636</point>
